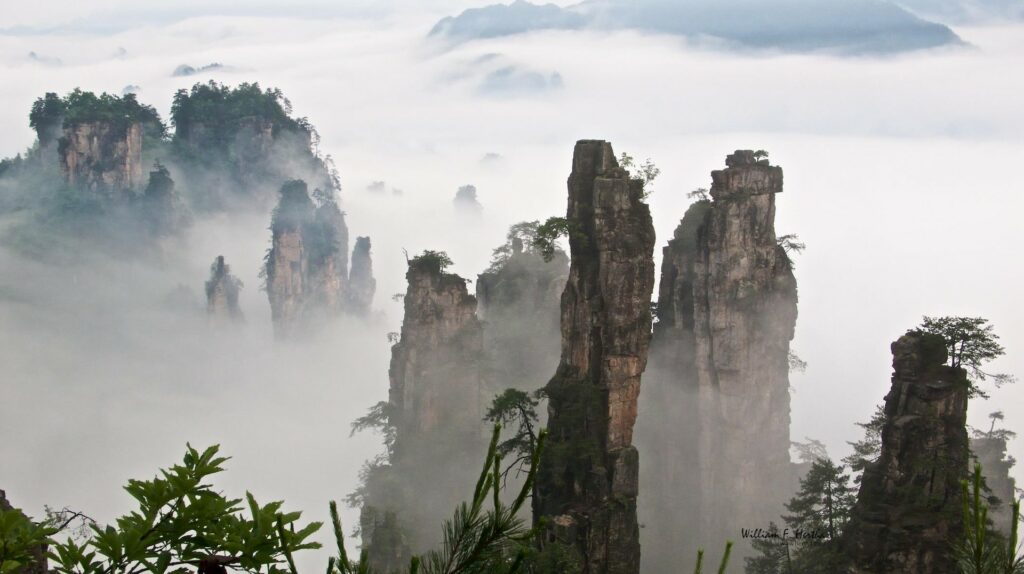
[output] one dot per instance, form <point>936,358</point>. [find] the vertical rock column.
<point>587,481</point>
<point>361,284</point>
<point>102,156</point>
<point>909,511</point>
<point>745,305</point>
<point>436,409</point>
<point>222,289</point>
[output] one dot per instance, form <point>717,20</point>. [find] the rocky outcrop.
<point>909,507</point>
<point>519,303</point>
<point>431,388</point>
<point>435,409</point>
<point>587,479</point>
<point>222,291</point>
<point>361,284</point>
<point>162,210</point>
<point>716,406</point>
<point>39,564</point>
<point>307,266</point>
<point>102,156</point>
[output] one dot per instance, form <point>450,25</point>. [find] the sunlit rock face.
<point>102,156</point>
<point>716,409</point>
<point>587,481</point>
<point>222,291</point>
<point>361,284</point>
<point>435,408</point>
<point>909,507</point>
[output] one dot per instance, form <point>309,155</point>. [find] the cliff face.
<point>431,387</point>
<point>361,283</point>
<point>101,156</point>
<point>436,410</point>
<point>717,409</point>
<point>307,266</point>
<point>587,480</point>
<point>909,506</point>
<point>222,291</point>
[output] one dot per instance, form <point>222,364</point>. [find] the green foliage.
<point>519,408</point>
<point>545,239</point>
<point>181,521</point>
<point>645,172</point>
<point>483,536</point>
<point>818,515</point>
<point>982,551</point>
<point>791,243</point>
<point>47,113</point>
<point>432,261</point>
<point>379,418</point>
<point>521,238</point>
<point>760,154</point>
<point>772,553</point>
<point>82,107</point>
<point>869,448</point>
<point>219,108</point>
<point>699,194</point>
<point>970,343</point>
<point>21,540</point>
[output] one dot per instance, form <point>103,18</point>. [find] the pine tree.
<point>818,514</point>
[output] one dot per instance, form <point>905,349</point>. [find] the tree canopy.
<point>971,343</point>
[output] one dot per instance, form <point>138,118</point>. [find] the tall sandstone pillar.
<point>909,508</point>
<point>587,480</point>
<point>716,410</point>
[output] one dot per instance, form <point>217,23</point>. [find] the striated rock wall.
<point>909,506</point>
<point>587,480</point>
<point>102,156</point>
<point>362,285</point>
<point>222,291</point>
<point>436,406</point>
<point>717,405</point>
<point>307,266</point>
<point>434,382</point>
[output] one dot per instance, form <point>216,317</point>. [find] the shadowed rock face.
<point>307,266</point>
<point>716,406</point>
<point>909,506</point>
<point>222,293</point>
<point>435,406</point>
<point>101,156</point>
<point>361,284</point>
<point>587,480</point>
<point>431,386</point>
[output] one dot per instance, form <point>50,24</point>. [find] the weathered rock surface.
<point>102,156</point>
<point>307,266</point>
<point>436,409</point>
<point>716,406</point>
<point>361,284</point>
<point>909,506</point>
<point>222,291</point>
<point>587,480</point>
